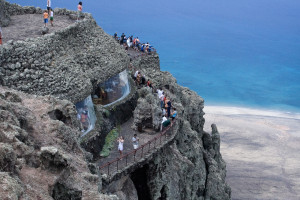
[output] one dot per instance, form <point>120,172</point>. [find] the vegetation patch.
<point>109,142</point>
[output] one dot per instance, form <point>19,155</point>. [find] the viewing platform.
<point>26,26</point>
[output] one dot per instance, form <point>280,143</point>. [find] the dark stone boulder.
<point>7,158</point>
<point>52,159</point>
<point>45,30</point>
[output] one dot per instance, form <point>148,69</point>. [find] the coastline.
<point>245,111</point>
<point>261,149</point>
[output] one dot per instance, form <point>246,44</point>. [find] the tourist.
<point>116,36</point>
<point>137,44</point>
<point>0,36</point>
<point>162,98</point>
<point>84,120</point>
<point>46,18</point>
<point>129,41</point>
<point>149,83</point>
<point>159,92</point>
<point>143,80</point>
<point>135,142</point>
<point>122,38</point>
<point>135,74</point>
<point>142,48</point>
<point>134,40</point>
<point>164,111</point>
<point>164,123</point>
<point>168,105</point>
<point>51,17</point>
<point>174,114</point>
<point>48,6</point>
<point>137,41</point>
<point>121,145</point>
<point>138,79</point>
<point>79,10</point>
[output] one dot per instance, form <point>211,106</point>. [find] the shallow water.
<point>236,53</point>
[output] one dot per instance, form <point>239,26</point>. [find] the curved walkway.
<point>149,142</point>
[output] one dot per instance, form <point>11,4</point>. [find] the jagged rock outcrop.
<point>147,113</point>
<point>191,168</point>
<point>39,154</point>
<point>124,189</point>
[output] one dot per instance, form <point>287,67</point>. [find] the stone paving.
<point>127,132</point>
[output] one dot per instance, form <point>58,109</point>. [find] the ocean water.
<point>234,53</point>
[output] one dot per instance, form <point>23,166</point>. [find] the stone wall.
<point>65,64</point>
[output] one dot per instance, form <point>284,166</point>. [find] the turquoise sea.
<point>235,53</point>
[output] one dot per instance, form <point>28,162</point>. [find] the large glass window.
<point>86,115</point>
<point>114,89</point>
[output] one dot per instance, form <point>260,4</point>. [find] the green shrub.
<point>109,142</point>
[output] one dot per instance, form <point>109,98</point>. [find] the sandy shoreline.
<point>261,149</point>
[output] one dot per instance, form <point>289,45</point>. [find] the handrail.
<point>139,152</point>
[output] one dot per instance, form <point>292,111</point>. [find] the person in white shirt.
<point>48,6</point>
<point>164,119</point>
<point>51,17</point>
<point>135,74</point>
<point>135,141</point>
<point>159,92</point>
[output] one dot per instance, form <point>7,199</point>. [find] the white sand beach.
<point>261,149</point>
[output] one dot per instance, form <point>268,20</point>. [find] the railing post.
<point>142,151</point>
<point>108,169</point>
<point>160,140</point>
<point>166,134</point>
<point>118,165</point>
<point>134,156</point>
<point>149,147</point>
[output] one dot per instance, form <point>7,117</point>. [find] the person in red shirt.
<point>79,10</point>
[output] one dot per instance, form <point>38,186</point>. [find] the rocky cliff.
<point>192,167</point>
<point>40,153</point>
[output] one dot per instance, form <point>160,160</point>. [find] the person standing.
<point>79,10</point>
<point>0,36</point>
<point>48,6</point>
<point>121,145</point>
<point>174,114</point>
<point>168,105</point>
<point>46,18</point>
<point>135,142</point>
<point>51,17</point>
<point>164,123</point>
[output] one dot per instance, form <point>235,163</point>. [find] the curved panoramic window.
<point>86,115</point>
<point>113,90</point>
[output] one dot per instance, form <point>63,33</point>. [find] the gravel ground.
<point>31,25</point>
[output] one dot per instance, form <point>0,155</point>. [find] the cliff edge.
<point>42,154</point>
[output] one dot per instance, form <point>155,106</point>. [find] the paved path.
<point>31,25</point>
<point>127,132</point>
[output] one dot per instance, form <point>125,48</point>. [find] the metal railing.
<point>137,154</point>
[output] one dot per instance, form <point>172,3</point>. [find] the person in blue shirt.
<point>174,114</point>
